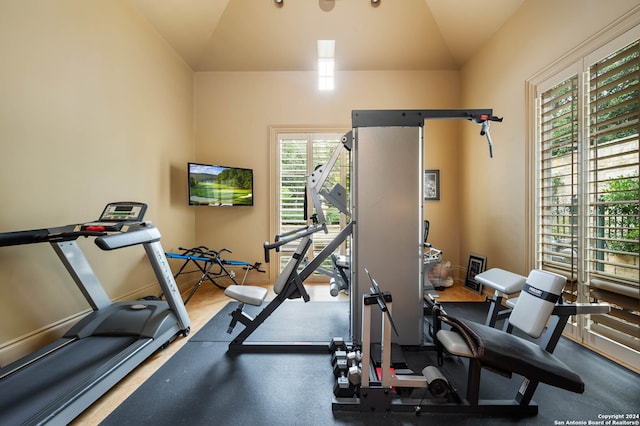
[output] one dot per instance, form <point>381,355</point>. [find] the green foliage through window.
<point>622,216</point>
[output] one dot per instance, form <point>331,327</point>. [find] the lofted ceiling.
<point>256,35</point>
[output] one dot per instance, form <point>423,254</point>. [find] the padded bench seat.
<point>252,295</point>
<point>503,281</point>
<point>506,353</point>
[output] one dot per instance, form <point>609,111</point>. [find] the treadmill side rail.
<point>158,260</point>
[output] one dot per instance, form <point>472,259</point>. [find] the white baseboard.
<point>24,345</point>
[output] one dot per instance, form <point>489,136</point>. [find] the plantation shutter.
<point>558,218</point>
<point>293,172</point>
<point>613,167</point>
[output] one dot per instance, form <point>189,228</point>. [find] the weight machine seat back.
<point>505,353</point>
<point>538,297</point>
<point>292,265</point>
<point>255,295</point>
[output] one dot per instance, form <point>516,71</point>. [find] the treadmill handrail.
<point>44,235</point>
<point>24,237</point>
<point>144,235</point>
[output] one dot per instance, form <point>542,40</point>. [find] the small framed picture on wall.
<point>477,264</point>
<point>432,184</point>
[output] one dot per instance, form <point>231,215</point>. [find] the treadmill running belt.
<point>32,389</point>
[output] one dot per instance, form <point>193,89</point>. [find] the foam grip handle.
<point>437,383</point>
<point>24,237</point>
<point>333,287</point>
<point>592,308</point>
<point>266,252</point>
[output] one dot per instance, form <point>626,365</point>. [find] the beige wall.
<point>95,107</point>
<point>493,190</point>
<point>235,110</point>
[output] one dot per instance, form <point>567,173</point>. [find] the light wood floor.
<point>206,302</point>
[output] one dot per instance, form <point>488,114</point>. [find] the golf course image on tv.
<point>211,185</point>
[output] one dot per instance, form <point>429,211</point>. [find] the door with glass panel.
<point>297,154</point>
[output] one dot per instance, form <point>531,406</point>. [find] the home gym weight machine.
<point>381,140</point>
<point>393,140</point>
<point>539,312</point>
<point>387,205</point>
<point>59,381</point>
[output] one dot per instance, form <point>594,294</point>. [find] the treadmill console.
<point>123,212</point>
<point>116,215</point>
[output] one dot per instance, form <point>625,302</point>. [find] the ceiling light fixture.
<point>375,3</point>
<point>278,3</point>
<point>326,5</point>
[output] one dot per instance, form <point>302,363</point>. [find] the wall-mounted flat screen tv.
<point>211,185</point>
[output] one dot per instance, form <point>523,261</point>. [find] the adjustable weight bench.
<point>287,286</point>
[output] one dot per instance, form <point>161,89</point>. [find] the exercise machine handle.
<point>24,237</point>
<point>484,121</point>
<point>126,239</point>
<point>291,236</point>
<point>267,258</point>
<point>42,236</point>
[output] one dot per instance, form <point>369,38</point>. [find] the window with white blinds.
<point>587,191</point>
<point>613,175</point>
<point>298,155</point>
<point>559,173</point>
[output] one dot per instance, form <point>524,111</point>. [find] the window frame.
<point>274,188</point>
<point>577,62</point>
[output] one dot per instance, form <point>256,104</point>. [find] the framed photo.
<point>432,184</point>
<point>476,265</point>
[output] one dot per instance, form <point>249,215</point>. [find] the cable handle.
<point>291,236</point>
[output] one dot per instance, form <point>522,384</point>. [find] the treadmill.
<point>58,382</point>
